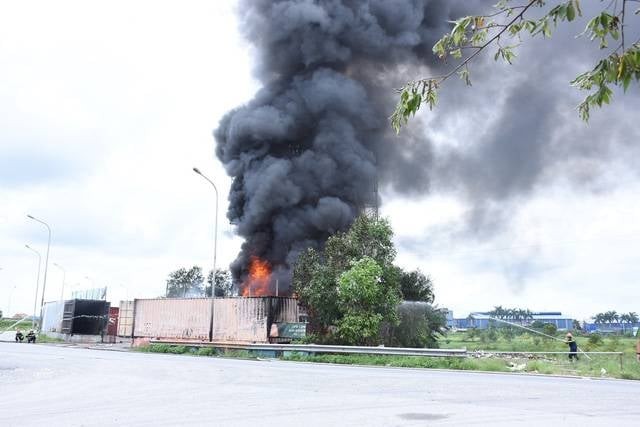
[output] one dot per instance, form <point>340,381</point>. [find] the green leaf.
<point>571,12</point>
<point>464,76</point>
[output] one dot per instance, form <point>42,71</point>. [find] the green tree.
<point>537,324</point>
<point>420,325</point>
<point>550,329</point>
<point>223,281</point>
<point>365,302</point>
<point>498,312</point>
<point>415,286</point>
<point>472,333</point>
<point>508,333</point>
<point>504,29</point>
<point>316,274</point>
<point>185,283</point>
<point>317,280</point>
<point>315,283</point>
<point>600,318</point>
<point>576,325</point>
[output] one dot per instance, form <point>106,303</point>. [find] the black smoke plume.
<point>307,152</point>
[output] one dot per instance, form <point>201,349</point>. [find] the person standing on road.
<point>638,348</point>
<point>573,346</point>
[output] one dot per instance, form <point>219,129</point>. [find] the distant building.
<point>482,320</point>
<point>611,328</point>
<point>450,319</point>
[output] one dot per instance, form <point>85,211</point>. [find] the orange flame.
<point>257,283</point>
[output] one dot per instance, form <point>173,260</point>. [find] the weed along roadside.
<point>192,350</point>
<point>531,359</point>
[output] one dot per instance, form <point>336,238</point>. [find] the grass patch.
<point>206,351</point>
<point>194,351</point>
<point>8,324</point>
<point>559,364</point>
<point>47,339</point>
<point>460,363</point>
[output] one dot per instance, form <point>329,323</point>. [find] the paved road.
<point>43,385</point>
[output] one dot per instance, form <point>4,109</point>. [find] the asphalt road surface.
<point>44,385</point>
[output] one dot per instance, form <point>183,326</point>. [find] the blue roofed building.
<point>482,320</point>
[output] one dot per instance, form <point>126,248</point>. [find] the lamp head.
<point>196,170</point>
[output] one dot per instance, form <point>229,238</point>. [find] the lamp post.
<point>35,300</point>
<point>215,250</point>
<point>46,262</point>
<point>64,276</point>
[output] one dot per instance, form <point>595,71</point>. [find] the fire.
<point>257,283</point>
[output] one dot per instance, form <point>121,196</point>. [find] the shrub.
<point>420,326</point>
<point>550,329</point>
<point>206,351</point>
<point>595,340</point>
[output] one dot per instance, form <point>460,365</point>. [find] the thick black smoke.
<point>307,153</point>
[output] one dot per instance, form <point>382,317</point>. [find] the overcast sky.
<point>104,110</point>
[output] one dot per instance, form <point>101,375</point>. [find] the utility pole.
<point>46,262</point>
<point>215,251</point>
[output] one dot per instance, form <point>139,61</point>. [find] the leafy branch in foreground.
<point>474,34</point>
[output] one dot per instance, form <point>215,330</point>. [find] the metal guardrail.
<point>617,353</point>
<point>314,348</point>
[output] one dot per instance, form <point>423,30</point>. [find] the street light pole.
<point>215,250</point>
<point>46,262</point>
<point>64,276</point>
<point>35,300</point>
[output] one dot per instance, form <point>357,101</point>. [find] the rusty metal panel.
<point>283,310</point>
<point>183,318</point>
<point>125,319</point>
<point>112,324</point>
<point>240,319</point>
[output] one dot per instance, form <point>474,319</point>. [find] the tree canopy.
<point>352,290</point>
<point>185,283</point>
<point>504,29</point>
<point>415,286</point>
<point>223,283</point>
<point>317,275</point>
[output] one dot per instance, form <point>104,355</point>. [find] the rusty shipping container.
<point>239,319</point>
<point>177,318</point>
<point>235,319</point>
<point>125,319</point>
<point>112,324</point>
<point>251,319</point>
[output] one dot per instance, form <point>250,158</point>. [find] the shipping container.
<point>235,319</point>
<point>240,320</point>
<point>125,319</point>
<point>179,318</point>
<point>85,317</point>
<point>112,325</point>
<point>52,316</point>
